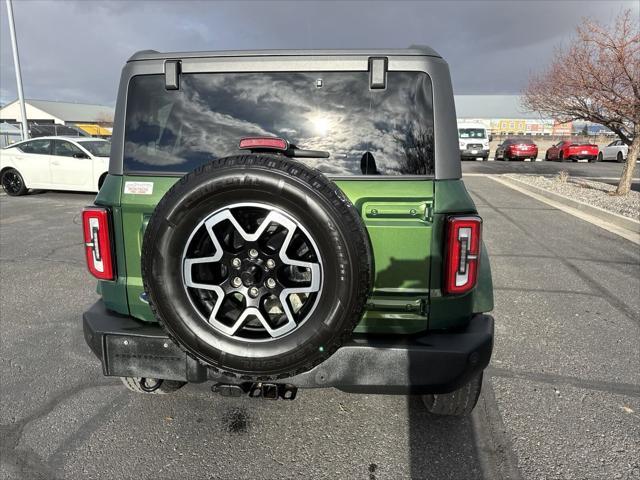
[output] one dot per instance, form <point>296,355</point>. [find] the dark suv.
<point>276,220</point>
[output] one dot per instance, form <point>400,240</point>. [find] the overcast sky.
<point>74,50</point>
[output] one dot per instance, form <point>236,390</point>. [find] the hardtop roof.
<point>411,51</point>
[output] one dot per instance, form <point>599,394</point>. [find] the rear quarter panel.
<point>451,311</point>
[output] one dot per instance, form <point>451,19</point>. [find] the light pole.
<point>16,64</point>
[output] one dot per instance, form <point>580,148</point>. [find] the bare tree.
<point>417,146</point>
<point>597,79</point>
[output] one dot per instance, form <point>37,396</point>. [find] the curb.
<point>561,204</point>
<point>609,217</point>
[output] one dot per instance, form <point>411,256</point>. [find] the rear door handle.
<point>401,210</point>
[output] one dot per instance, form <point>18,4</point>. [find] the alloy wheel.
<point>252,272</point>
<point>12,182</point>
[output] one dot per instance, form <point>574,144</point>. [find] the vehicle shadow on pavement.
<point>472,447</point>
<point>441,447</point>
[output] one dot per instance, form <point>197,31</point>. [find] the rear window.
<point>370,132</point>
<point>41,147</point>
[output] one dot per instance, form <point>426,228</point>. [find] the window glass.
<point>365,131</point>
<point>97,148</point>
<point>471,132</point>
<point>62,148</point>
<point>41,147</point>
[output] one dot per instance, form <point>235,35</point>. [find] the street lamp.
<point>16,64</point>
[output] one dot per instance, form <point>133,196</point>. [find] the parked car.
<point>574,151</point>
<point>54,163</point>
<point>617,151</point>
<point>473,139</point>
<point>243,257</point>
<point>516,149</point>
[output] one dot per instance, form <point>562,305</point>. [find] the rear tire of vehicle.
<point>546,157</point>
<point>317,207</point>
<point>619,157</point>
<point>152,386</point>
<point>561,157</point>
<point>13,183</point>
<point>599,157</point>
<point>458,403</point>
<point>101,180</point>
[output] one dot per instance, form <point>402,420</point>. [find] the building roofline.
<point>62,137</point>
<point>27,100</point>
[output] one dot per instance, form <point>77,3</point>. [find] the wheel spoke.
<point>242,276</point>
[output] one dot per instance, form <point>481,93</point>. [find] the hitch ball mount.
<point>269,391</point>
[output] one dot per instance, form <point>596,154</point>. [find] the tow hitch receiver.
<point>270,391</point>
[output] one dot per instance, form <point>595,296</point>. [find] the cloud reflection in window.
<point>175,131</point>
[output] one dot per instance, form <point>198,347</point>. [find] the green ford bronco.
<point>275,220</point>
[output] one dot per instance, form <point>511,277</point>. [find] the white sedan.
<point>54,163</point>
<point>614,151</point>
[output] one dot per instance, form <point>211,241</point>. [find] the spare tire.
<point>257,266</point>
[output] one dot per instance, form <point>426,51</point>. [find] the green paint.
<point>404,219</point>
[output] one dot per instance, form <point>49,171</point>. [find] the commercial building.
<point>504,115</point>
<point>46,117</point>
<point>9,134</point>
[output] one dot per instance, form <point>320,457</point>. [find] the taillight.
<point>264,143</point>
<point>97,242</point>
<point>463,253</point>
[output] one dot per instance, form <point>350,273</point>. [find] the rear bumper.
<point>430,363</point>
<point>532,154</point>
<point>468,153</point>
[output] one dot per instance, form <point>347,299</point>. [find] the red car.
<point>575,151</point>
<point>516,149</point>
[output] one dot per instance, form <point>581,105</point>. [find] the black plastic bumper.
<point>431,363</point>
<point>479,153</point>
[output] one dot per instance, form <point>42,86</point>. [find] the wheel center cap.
<point>251,276</point>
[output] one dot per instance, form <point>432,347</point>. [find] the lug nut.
<point>253,292</point>
<point>253,253</point>
<point>271,263</point>
<point>236,262</point>
<point>271,283</point>
<point>236,282</point>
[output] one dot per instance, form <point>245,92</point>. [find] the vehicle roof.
<point>472,125</point>
<point>418,50</point>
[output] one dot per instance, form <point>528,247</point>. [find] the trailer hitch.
<point>269,391</point>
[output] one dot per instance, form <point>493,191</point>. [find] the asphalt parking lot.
<point>608,172</point>
<point>561,398</point>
